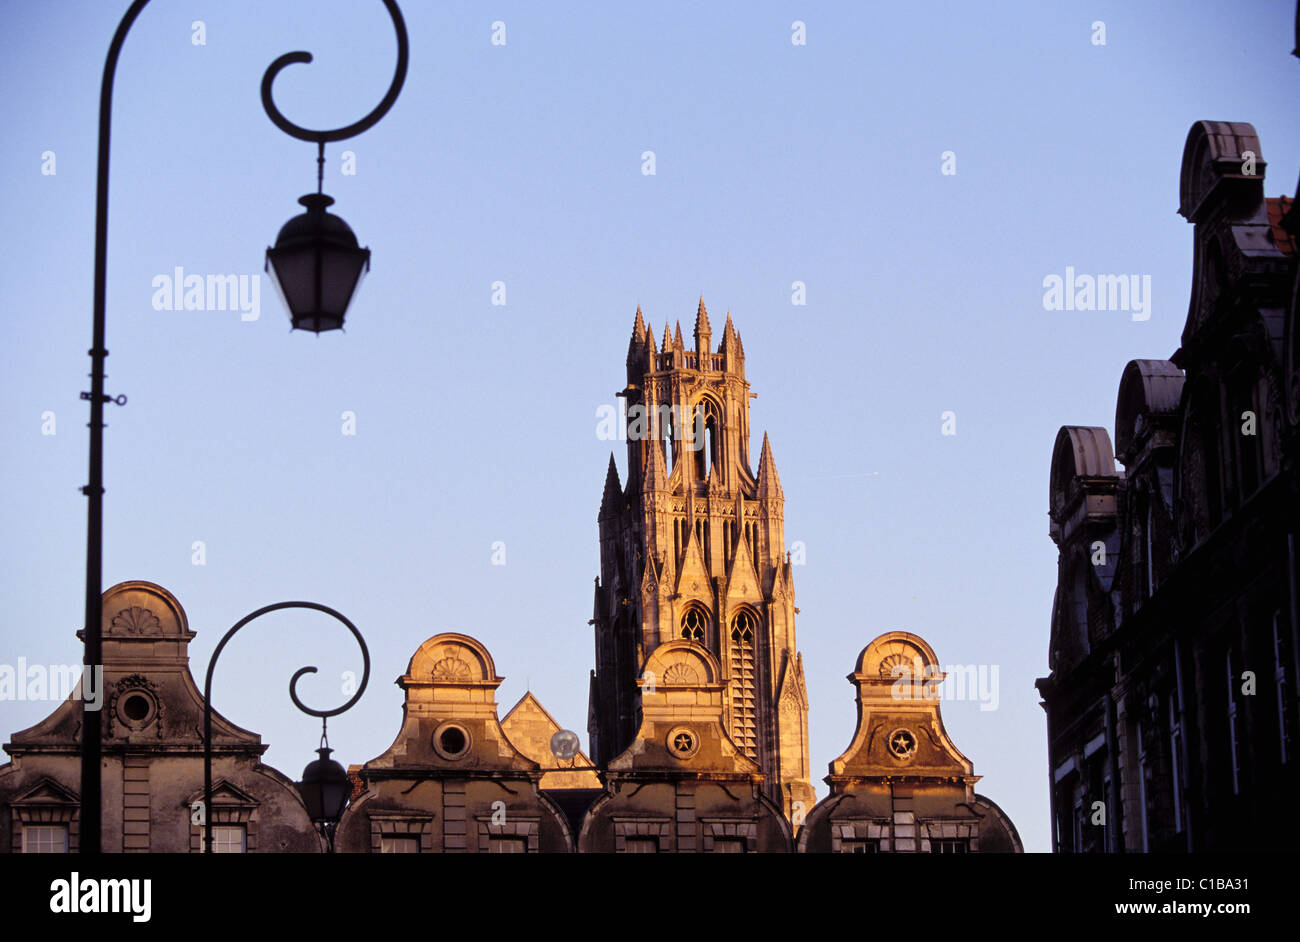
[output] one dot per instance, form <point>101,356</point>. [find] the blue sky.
<point>476,423</point>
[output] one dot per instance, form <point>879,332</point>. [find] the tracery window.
<point>695,625</point>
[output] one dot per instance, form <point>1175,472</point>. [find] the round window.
<point>451,741</point>
<point>136,708</point>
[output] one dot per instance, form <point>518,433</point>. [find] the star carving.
<point>902,743</point>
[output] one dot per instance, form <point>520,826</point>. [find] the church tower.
<point>692,549</point>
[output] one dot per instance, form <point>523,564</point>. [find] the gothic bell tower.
<point>693,549</point>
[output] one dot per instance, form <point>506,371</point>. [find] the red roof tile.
<point>1277,208</point>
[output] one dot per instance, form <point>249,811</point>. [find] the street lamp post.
<point>316,269</point>
<point>325,786</point>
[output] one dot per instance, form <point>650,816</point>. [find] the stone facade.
<point>683,784</point>
<point>1171,705</point>
<point>152,719</point>
<point>902,785</point>
<point>530,727</point>
<point>452,781</point>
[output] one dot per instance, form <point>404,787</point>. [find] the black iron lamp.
<point>325,788</point>
<point>316,263</point>
<point>316,266</point>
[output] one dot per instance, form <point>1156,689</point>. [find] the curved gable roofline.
<point>1214,152</point>
<point>1147,387</point>
<point>451,658</point>
<point>1080,451</point>
<point>892,643</point>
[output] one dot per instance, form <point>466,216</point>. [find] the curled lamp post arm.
<point>352,130</point>
<point>293,695</point>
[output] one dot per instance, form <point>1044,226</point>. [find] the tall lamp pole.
<point>316,265</point>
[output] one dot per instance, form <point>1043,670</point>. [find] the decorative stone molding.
<point>124,706</point>
<point>658,828</point>
<point>939,829</point>
<point>520,826</point>
<point>137,621</point>
<point>230,806</point>
<point>45,803</point>
<point>745,830</point>
<point>861,829</point>
<point>400,824</point>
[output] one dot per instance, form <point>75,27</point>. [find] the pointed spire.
<point>636,346</point>
<point>609,501</point>
<point>713,483</point>
<point>650,341</point>
<point>656,470</point>
<point>597,605</point>
<point>769,484</point>
<point>729,343</point>
<point>703,332</point>
<point>668,338</point>
<point>677,339</point>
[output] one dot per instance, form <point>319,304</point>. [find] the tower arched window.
<point>695,625</point>
<point>744,700</point>
<point>705,437</point>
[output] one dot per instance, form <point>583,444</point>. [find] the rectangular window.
<point>1232,724</point>
<point>1142,785</point>
<point>1280,657</point>
<point>1244,417</point>
<point>399,844</point>
<point>728,845</point>
<point>45,839</point>
<point>859,846</point>
<point>641,845</point>
<point>1105,797</point>
<point>229,839</point>
<point>1176,760</point>
<point>1150,550</point>
<point>950,845</point>
<point>507,845</point>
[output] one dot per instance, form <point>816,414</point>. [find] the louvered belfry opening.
<point>744,708</point>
